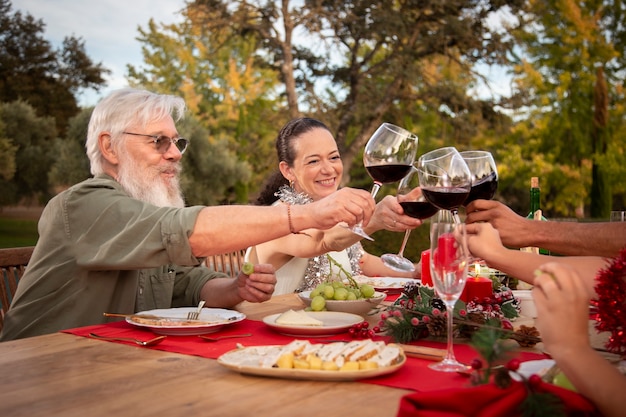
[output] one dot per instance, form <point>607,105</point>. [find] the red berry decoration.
<point>534,380</point>
<point>506,325</point>
<point>513,365</point>
<point>476,364</point>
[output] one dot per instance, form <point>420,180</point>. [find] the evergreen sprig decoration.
<point>611,303</point>
<point>497,365</point>
<point>418,313</point>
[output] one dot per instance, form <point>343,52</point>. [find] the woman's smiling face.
<point>317,166</point>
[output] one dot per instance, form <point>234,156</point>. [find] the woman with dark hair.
<point>310,168</point>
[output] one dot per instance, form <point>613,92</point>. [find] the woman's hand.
<point>562,303</point>
<point>389,215</point>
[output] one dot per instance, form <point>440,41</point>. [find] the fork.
<point>193,315</point>
<point>150,342</point>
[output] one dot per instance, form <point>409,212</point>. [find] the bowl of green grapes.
<point>339,296</point>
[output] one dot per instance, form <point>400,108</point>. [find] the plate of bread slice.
<point>303,359</point>
<point>311,323</point>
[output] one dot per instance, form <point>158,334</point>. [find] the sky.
<point>107,27</point>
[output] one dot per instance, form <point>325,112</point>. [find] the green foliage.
<point>71,164</point>
<point>31,70</point>
<point>568,48</point>
<point>33,137</point>
<point>211,171</point>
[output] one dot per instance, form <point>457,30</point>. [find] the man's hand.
<point>258,285</point>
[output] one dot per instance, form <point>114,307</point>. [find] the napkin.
<point>487,401</point>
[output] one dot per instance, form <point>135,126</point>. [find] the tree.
<point>245,68</point>
<point>567,51</point>
<point>71,164</point>
<point>33,137</point>
<point>32,71</point>
<point>224,88</point>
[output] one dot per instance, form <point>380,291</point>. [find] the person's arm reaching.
<point>213,231</point>
<point>563,238</point>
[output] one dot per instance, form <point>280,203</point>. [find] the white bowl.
<point>360,307</point>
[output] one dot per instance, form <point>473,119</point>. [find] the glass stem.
<point>406,238</point>
<point>375,189</point>
<point>450,348</point>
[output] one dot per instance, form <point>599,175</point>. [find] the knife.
<point>423,352</point>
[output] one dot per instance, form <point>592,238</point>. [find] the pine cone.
<point>476,317</point>
<point>437,326</point>
<point>438,303</point>
<point>526,336</point>
<point>411,289</point>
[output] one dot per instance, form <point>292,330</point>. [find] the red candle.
<point>445,255</point>
<point>426,278</point>
<point>480,287</point>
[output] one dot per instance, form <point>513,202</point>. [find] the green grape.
<point>318,303</point>
<point>329,292</point>
<point>337,284</point>
<point>340,294</point>
<point>367,290</point>
<point>351,295</point>
<point>247,268</point>
<point>563,381</point>
<point>317,291</point>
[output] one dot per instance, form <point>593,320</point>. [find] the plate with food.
<point>389,285</point>
<point>311,323</point>
<point>174,322</point>
<point>302,359</point>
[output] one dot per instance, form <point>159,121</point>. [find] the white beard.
<point>148,185</point>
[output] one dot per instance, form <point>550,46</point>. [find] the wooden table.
<point>66,375</point>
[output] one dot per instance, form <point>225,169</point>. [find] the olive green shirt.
<point>100,250</point>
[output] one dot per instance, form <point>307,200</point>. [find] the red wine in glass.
<point>388,156</point>
<point>419,209</point>
<point>484,189</point>
<point>386,174</point>
<point>446,198</point>
<point>415,205</point>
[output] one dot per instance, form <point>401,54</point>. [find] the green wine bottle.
<point>535,206</point>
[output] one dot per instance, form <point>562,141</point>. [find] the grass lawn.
<point>17,232</point>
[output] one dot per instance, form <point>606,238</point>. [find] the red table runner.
<point>415,375</point>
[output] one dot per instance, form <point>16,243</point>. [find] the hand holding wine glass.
<point>445,179</point>
<point>484,175</point>
<point>448,265</point>
<point>415,205</point>
<point>388,156</point>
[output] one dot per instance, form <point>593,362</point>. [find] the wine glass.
<point>448,266</point>
<point>445,179</point>
<point>484,175</point>
<point>388,156</point>
<point>415,205</point>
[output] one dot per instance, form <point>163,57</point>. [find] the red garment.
<point>487,401</point>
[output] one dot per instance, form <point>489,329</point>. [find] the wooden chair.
<point>228,263</point>
<point>13,263</point>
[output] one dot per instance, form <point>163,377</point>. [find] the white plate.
<point>528,368</point>
<point>390,285</point>
<point>334,322</point>
<point>210,321</point>
<point>231,361</point>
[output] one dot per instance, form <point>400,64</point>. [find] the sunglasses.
<point>162,143</point>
